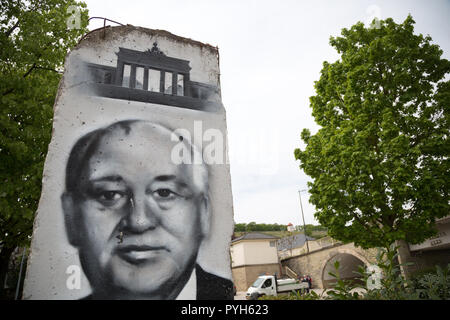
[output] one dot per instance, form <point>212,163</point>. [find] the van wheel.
<point>254,296</point>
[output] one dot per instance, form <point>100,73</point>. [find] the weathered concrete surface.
<point>78,111</point>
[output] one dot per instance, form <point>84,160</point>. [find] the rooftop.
<point>295,241</point>
<point>254,236</point>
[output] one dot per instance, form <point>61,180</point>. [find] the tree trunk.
<point>404,257</point>
<point>5,255</point>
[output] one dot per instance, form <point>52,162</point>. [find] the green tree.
<point>252,226</point>
<point>239,227</point>
<point>35,37</point>
<point>379,162</point>
<point>311,229</point>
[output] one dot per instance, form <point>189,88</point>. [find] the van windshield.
<point>258,282</point>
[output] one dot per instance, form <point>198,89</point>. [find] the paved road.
<point>240,295</point>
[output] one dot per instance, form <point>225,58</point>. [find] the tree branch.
<point>7,91</point>
<point>355,215</point>
<point>8,33</point>
<point>34,66</point>
<point>49,69</point>
<point>29,71</point>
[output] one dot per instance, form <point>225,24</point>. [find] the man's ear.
<point>71,218</point>
<point>205,216</point>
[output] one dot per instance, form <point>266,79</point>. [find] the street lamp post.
<point>303,216</point>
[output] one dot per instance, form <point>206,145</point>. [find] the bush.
<point>293,296</point>
<point>434,285</point>
<point>392,285</point>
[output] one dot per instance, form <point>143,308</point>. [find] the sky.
<point>271,52</point>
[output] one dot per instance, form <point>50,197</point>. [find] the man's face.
<point>140,220</point>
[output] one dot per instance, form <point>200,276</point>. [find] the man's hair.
<point>87,145</point>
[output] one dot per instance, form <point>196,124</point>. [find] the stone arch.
<point>351,258</point>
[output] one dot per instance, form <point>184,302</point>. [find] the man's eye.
<point>110,195</point>
<point>164,193</point>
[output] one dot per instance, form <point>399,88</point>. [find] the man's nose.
<point>141,217</point>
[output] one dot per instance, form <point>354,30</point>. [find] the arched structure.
<point>319,262</point>
<point>349,263</point>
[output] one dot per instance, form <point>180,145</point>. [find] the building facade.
<point>253,254</point>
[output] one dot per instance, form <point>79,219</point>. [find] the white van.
<point>269,285</point>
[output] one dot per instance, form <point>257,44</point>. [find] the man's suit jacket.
<point>211,287</point>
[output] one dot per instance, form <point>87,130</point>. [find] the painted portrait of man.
<point>136,217</point>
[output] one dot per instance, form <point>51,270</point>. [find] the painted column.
<point>136,200</point>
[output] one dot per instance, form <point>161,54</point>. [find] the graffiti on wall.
<point>136,217</point>
<point>136,220</point>
<point>151,76</point>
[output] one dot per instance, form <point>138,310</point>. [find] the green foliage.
<point>253,226</point>
<point>294,296</point>
<point>342,288</point>
<point>313,230</point>
<point>34,40</point>
<point>379,162</point>
<point>434,285</point>
<point>392,286</point>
